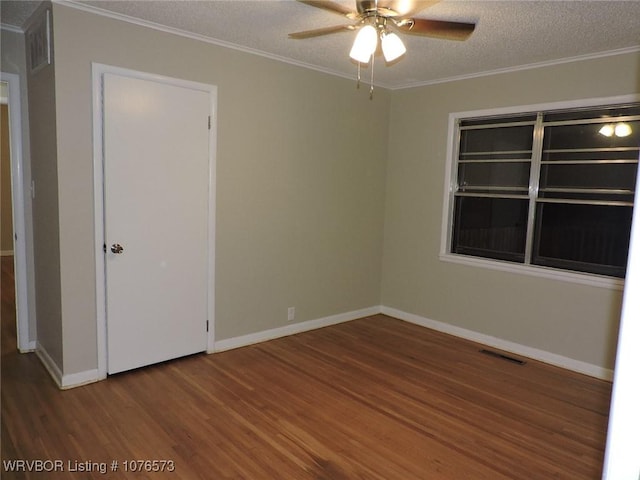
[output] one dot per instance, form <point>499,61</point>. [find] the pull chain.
<point>373,60</point>
<point>358,82</point>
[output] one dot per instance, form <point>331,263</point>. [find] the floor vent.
<point>502,356</point>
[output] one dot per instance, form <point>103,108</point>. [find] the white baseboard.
<point>31,347</point>
<point>81,378</point>
<point>65,381</point>
<point>90,376</point>
<point>49,364</point>
<point>252,338</point>
<point>506,345</point>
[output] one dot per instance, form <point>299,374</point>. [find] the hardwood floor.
<point>376,398</point>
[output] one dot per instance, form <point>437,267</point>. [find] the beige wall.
<point>571,320</point>
<point>311,177</point>
<point>46,232</point>
<point>6,214</point>
<point>300,180</point>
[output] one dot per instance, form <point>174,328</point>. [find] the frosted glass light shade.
<point>619,130</point>
<point>606,130</point>
<point>392,47</point>
<point>623,130</point>
<point>365,44</point>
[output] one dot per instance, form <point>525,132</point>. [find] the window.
<point>550,189</point>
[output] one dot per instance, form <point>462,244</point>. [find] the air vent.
<point>502,356</point>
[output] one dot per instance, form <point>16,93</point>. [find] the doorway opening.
<point>13,246</point>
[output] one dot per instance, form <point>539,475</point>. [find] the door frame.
<point>98,71</point>
<point>621,456</point>
<point>14,101</point>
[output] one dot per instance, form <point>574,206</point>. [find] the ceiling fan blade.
<point>321,31</point>
<point>404,8</point>
<point>330,6</point>
<point>436,28</point>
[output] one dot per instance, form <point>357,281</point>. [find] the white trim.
<point>49,364</point>
<point>518,68</point>
<point>449,182</point>
<point>6,253</point>
<point>90,376</point>
<point>506,345</point>
<point>202,38</point>
<point>65,381</point>
<point>78,379</point>
<point>213,148</point>
<point>176,31</point>
<point>536,271</point>
<point>19,225</point>
<point>11,28</point>
<point>253,338</point>
<point>560,105</point>
<point>98,215</point>
<point>98,70</point>
<point>621,455</point>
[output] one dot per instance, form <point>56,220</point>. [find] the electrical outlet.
<point>291,313</point>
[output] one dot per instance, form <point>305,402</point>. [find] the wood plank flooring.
<point>375,398</point>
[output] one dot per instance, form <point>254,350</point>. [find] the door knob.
<point>117,248</point>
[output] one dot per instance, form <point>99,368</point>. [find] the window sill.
<point>550,273</point>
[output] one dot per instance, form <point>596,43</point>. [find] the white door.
<point>156,191</point>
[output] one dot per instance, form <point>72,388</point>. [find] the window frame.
<point>453,142</point>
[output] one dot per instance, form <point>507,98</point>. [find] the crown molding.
<point>11,28</point>
<point>202,38</point>
<point>517,68</point>
<point>221,43</point>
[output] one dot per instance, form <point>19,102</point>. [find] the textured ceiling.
<point>15,13</point>
<point>509,34</point>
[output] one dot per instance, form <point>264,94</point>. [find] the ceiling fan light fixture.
<point>372,17</point>
<point>365,44</point>
<point>619,130</point>
<point>392,46</point>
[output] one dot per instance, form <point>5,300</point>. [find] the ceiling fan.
<point>379,21</point>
